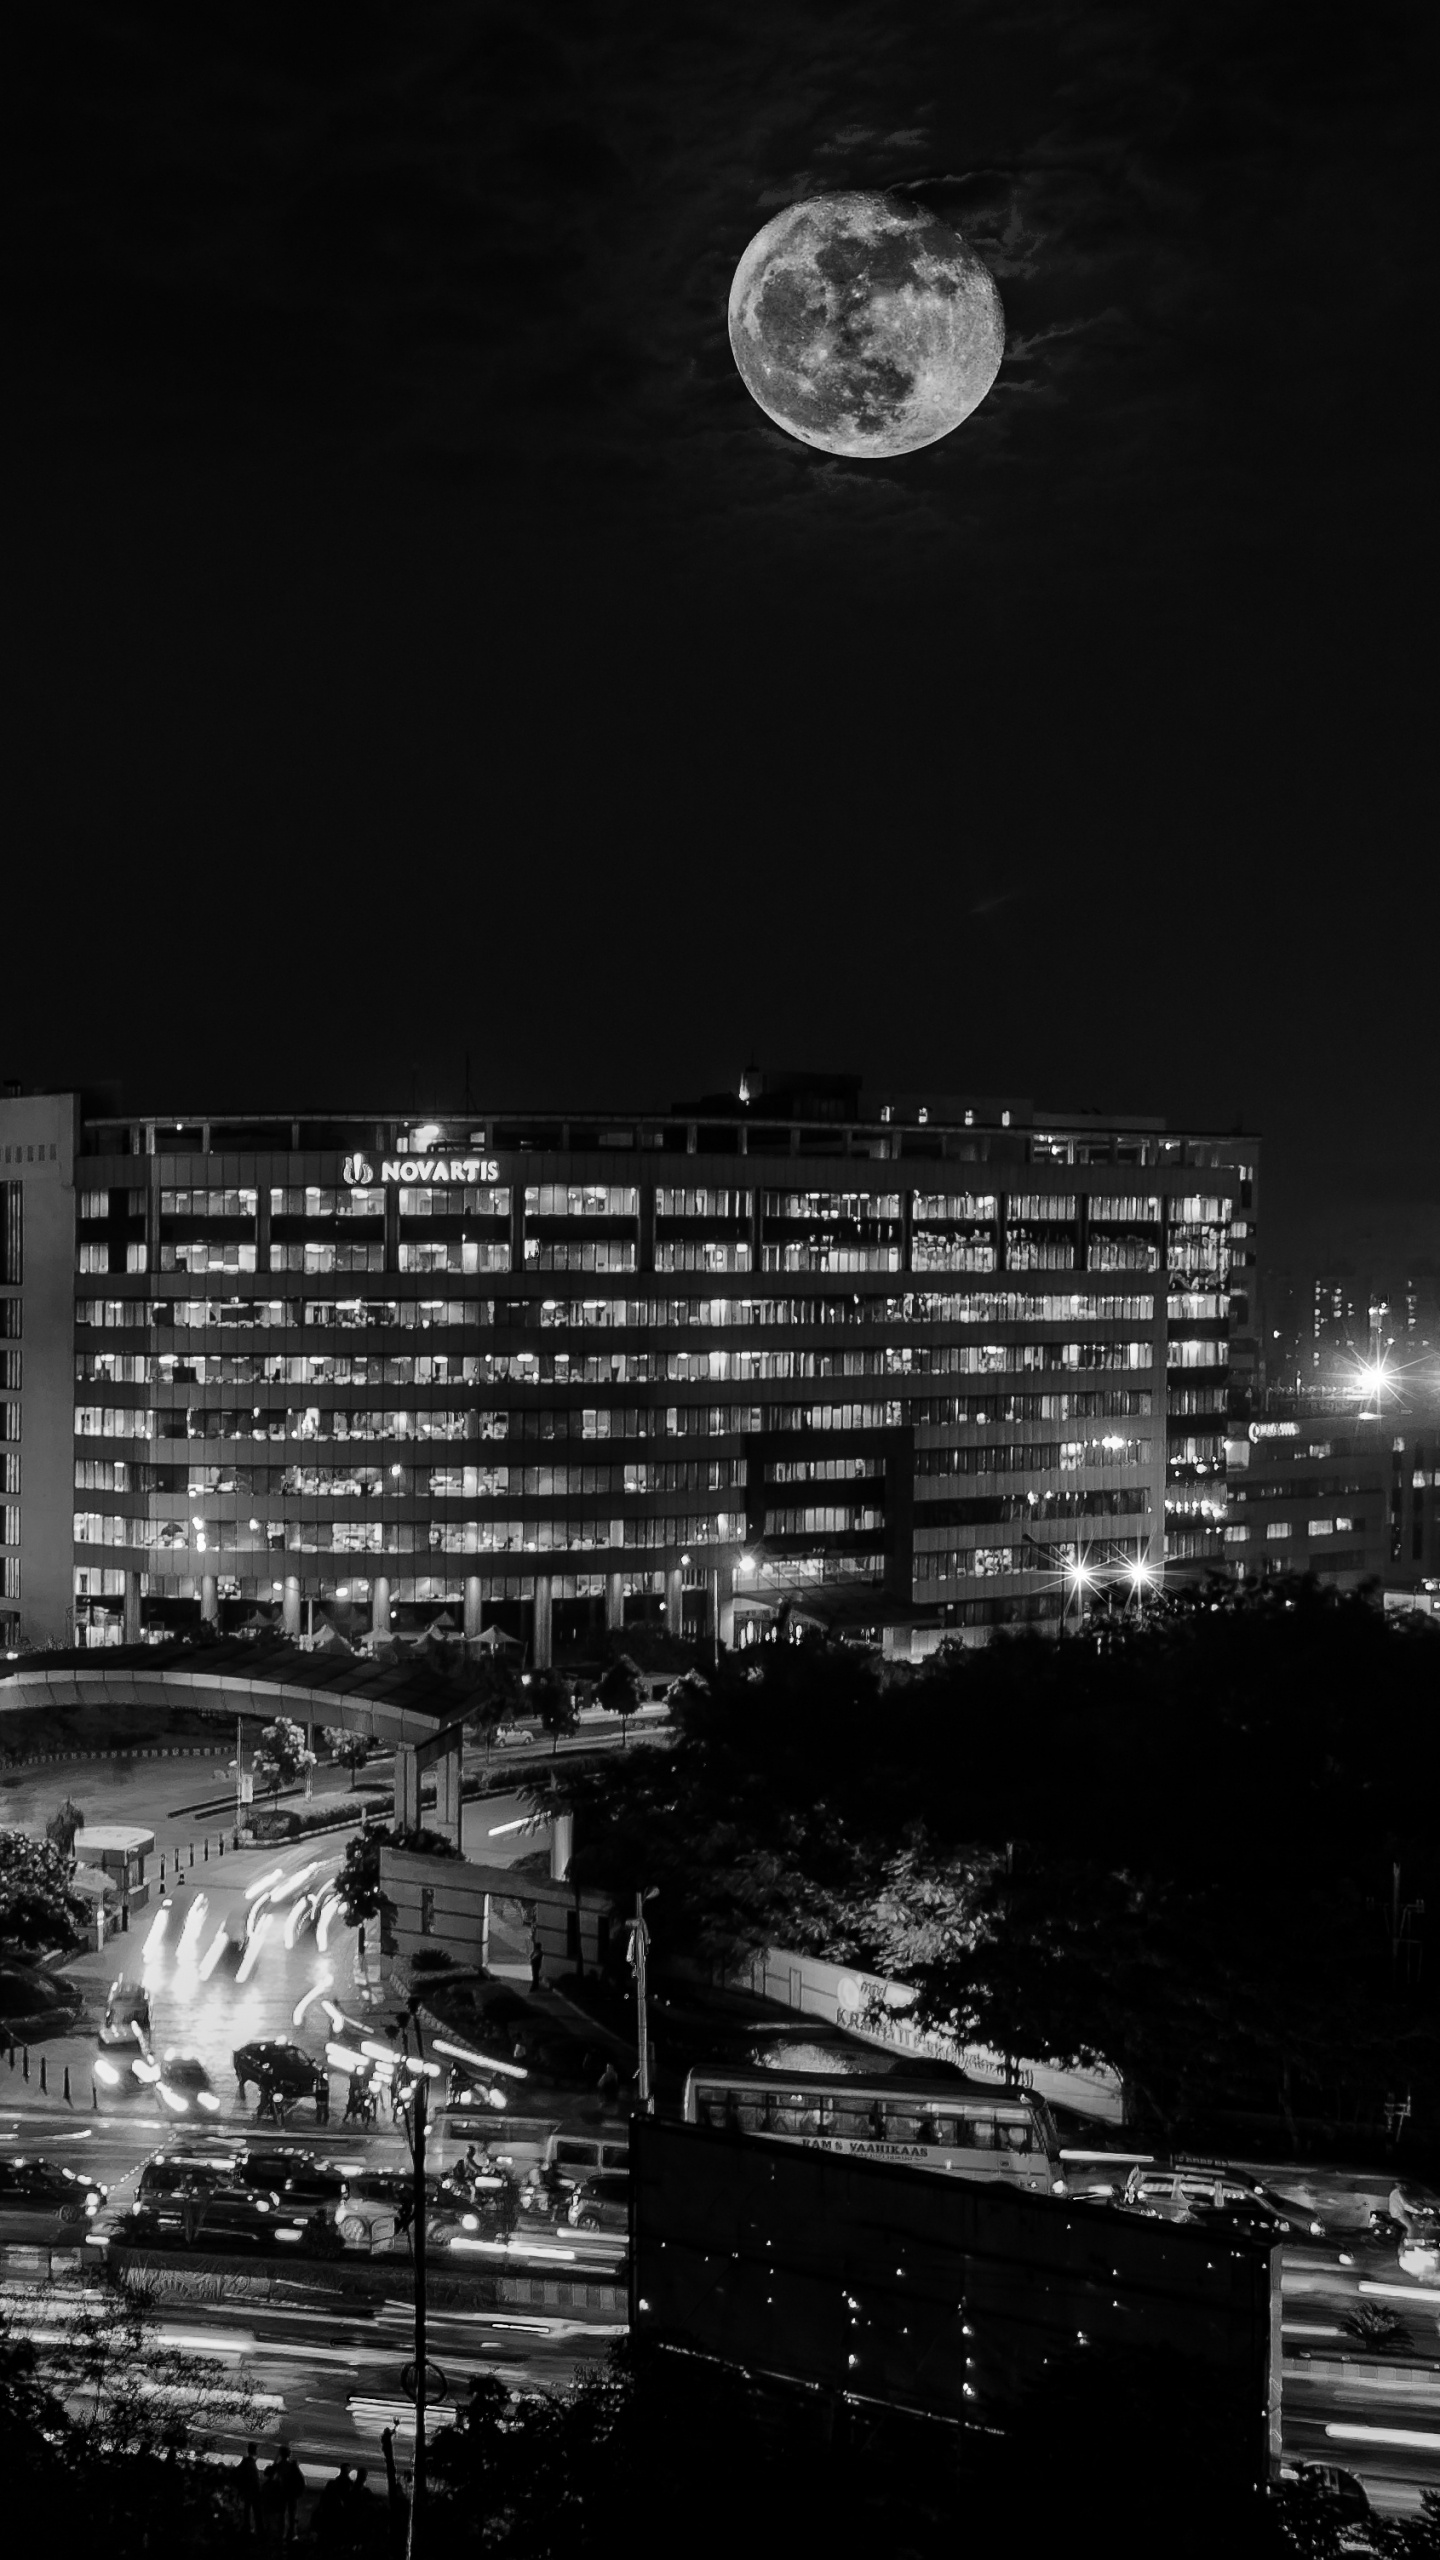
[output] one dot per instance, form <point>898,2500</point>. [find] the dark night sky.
<point>419,641</point>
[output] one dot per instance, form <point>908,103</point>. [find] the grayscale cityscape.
<point>717,1775</point>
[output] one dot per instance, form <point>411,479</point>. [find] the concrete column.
<point>131,1626</point>
<point>209,1597</point>
<point>725,1604</point>
<point>447,1794</point>
<point>407,1788</point>
<point>474,1607</point>
<point>562,1845</point>
<point>290,1607</point>
<point>380,1605</point>
<point>541,1653</point>
<point>675,1600</point>
<point>615,1602</point>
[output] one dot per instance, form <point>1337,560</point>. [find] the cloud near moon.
<point>862,324</point>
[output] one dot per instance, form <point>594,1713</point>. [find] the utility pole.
<point>639,1948</point>
<point>420,2071</point>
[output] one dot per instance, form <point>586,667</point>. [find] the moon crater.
<point>863,325</point>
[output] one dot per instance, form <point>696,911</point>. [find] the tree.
<point>62,1826</point>
<point>620,1690</point>
<point>552,1701</point>
<point>358,1883</point>
<point>349,1750</point>
<point>282,1756</point>
<point>38,1907</point>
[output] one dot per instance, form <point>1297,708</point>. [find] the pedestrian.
<point>247,2483</point>
<point>321,2088</point>
<point>609,2085</point>
<point>285,2484</point>
<point>356,2098</point>
<point>331,2518</point>
<point>537,1959</point>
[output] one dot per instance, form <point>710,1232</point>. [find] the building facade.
<point>940,1358</point>
<point>1347,1496</point>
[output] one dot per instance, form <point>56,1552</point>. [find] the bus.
<point>968,2131</point>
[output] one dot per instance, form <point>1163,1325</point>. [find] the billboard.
<point>944,2297</point>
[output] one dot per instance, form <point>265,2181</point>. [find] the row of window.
<point>1111,1502</point>
<point>1034,1457</point>
<point>1339,1526</point>
<point>824,1520</point>
<point>528,1368</point>
<point>409,1537</point>
<point>314,1422</point>
<point>913,1306</point>
<point>375,1482</point>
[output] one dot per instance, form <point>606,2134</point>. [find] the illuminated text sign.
<point>360,1173</point>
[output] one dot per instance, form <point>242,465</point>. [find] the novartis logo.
<point>359,1172</point>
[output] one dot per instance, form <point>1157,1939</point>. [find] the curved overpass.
<point>405,1701</point>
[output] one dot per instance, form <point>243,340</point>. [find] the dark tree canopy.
<point>1171,1845</point>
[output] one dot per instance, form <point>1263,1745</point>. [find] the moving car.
<point>601,2202</point>
<point>1419,2255</point>
<point>1190,2191</point>
<point>41,2203</point>
<point>513,1736</point>
<point>127,2014</point>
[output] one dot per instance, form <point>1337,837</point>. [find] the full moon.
<point>862,324</point>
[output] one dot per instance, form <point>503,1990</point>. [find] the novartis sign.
<point>360,1173</point>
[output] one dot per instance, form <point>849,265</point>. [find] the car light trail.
<point>172,2099</point>
<point>106,2073</point>
<point>1418,2439</point>
<point>155,1935</point>
<point>296,1922</point>
<point>321,1983</point>
<point>213,1952</point>
<point>291,1884</point>
<point>251,1956</point>
<point>262,1884</point>
<point>149,2072</point>
<point>207,2099</point>
<point>480,2061</point>
<point>527,1822</point>
<point>190,1935</point>
<point>1402,2292</point>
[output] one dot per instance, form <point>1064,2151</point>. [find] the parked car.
<point>43,2204</point>
<point>514,1737</point>
<point>127,2014</point>
<point>601,2202</point>
<point>283,2065</point>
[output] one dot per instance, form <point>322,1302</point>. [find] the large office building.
<point>922,1364</point>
